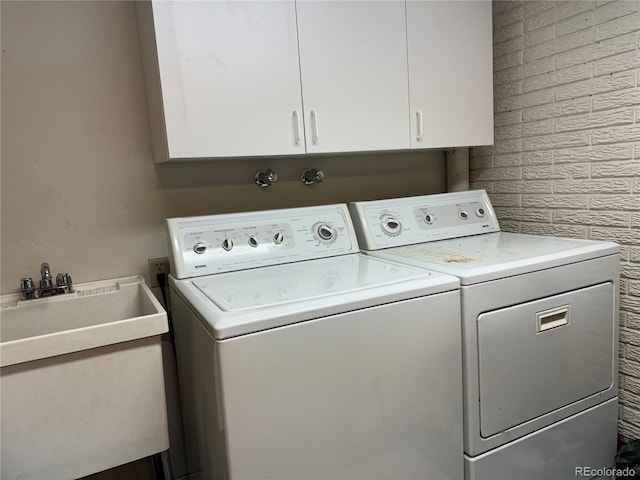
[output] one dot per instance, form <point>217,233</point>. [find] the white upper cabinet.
<point>253,78</point>
<point>229,77</point>
<point>353,60</point>
<point>450,73</point>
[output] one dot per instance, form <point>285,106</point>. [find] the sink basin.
<point>82,380</point>
<point>96,314</point>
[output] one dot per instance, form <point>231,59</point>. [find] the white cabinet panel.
<point>450,73</point>
<point>354,75</point>
<point>229,78</point>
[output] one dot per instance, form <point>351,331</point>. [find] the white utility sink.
<point>96,314</point>
<point>82,380</point>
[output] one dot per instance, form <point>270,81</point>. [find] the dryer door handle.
<point>552,318</point>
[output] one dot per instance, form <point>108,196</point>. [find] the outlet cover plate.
<point>157,265</point>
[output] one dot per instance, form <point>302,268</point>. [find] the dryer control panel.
<point>405,221</point>
<point>223,243</point>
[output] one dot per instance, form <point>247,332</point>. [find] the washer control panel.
<point>223,243</point>
<point>405,221</point>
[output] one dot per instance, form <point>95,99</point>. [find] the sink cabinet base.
<point>76,414</point>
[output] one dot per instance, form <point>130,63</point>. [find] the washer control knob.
<point>390,225</point>
<point>278,238</point>
<point>227,244</point>
<point>253,241</point>
<point>200,248</point>
<point>463,215</point>
<point>428,218</point>
<point>326,232</point>
<point>480,212</point>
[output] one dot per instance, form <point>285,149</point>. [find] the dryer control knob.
<point>390,225</point>
<point>428,218</point>
<point>463,215</point>
<point>480,212</point>
<point>278,238</point>
<point>326,232</point>
<point>200,248</point>
<point>253,241</point>
<point>227,244</point>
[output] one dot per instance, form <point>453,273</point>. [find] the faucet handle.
<point>63,280</point>
<point>27,288</point>
<point>309,176</point>
<point>265,178</point>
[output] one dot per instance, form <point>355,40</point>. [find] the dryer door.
<point>542,355</point>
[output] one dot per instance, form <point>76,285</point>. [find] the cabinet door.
<point>229,76</point>
<point>450,73</point>
<point>354,75</point>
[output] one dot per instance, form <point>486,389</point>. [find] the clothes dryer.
<point>301,358</point>
<point>540,329</point>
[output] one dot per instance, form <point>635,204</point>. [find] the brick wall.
<point>566,159</point>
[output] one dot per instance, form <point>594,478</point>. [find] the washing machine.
<point>301,358</point>
<point>540,329</point>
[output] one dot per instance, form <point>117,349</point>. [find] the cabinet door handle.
<point>314,127</point>
<point>419,125</point>
<point>296,127</point>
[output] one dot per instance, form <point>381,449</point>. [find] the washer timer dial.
<point>390,225</point>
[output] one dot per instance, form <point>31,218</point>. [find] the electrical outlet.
<point>157,265</point>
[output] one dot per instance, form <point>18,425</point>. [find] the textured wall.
<point>566,159</point>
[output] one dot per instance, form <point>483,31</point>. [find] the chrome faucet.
<point>28,290</point>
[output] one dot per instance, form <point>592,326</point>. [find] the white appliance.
<point>540,330</point>
<point>301,358</point>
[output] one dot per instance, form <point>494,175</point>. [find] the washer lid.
<point>302,281</point>
<point>249,301</point>
<point>481,258</point>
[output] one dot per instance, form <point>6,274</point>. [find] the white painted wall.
<point>566,159</point>
<point>79,187</point>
